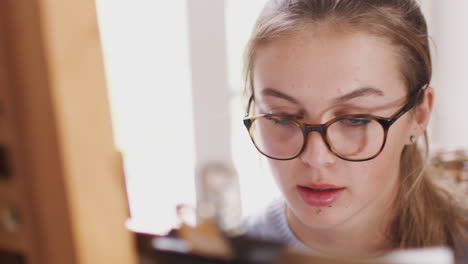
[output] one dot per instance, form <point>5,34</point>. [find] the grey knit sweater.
<point>271,224</point>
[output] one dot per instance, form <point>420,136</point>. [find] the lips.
<point>320,195</point>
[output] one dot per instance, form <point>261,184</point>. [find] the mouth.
<point>320,195</point>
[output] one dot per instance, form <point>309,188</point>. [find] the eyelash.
<point>301,116</point>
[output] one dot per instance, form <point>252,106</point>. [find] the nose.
<point>316,153</point>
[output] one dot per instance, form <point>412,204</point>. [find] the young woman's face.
<point>316,77</point>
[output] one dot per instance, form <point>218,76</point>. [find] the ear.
<point>422,113</point>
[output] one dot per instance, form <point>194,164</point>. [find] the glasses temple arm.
<point>413,100</point>
<point>247,112</point>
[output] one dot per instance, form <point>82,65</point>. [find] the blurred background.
<point>174,72</point>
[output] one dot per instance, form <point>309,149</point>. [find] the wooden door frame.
<point>68,183</point>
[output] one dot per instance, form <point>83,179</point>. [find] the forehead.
<point>320,66</point>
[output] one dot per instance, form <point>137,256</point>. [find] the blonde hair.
<point>424,214</point>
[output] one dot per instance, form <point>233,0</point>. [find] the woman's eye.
<point>280,120</point>
<point>357,121</point>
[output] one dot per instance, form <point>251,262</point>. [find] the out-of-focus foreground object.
<point>62,195</point>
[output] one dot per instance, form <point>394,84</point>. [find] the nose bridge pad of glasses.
<point>315,128</point>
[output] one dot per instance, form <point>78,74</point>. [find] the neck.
<point>336,241</point>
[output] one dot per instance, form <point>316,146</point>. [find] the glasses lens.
<point>277,137</point>
<point>356,138</point>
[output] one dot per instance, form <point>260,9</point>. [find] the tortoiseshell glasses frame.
<point>306,128</point>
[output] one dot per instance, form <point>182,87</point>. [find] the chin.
<point>323,220</point>
<point>317,217</point>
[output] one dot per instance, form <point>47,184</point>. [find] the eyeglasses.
<point>355,137</point>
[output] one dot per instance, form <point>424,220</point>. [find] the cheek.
<point>388,161</point>
<point>283,172</point>
<point>399,134</point>
<point>380,175</point>
<point>279,168</point>
<point>374,176</point>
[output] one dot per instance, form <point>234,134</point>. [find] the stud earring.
<point>412,139</point>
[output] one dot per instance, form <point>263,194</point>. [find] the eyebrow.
<point>365,91</point>
<point>276,93</point>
